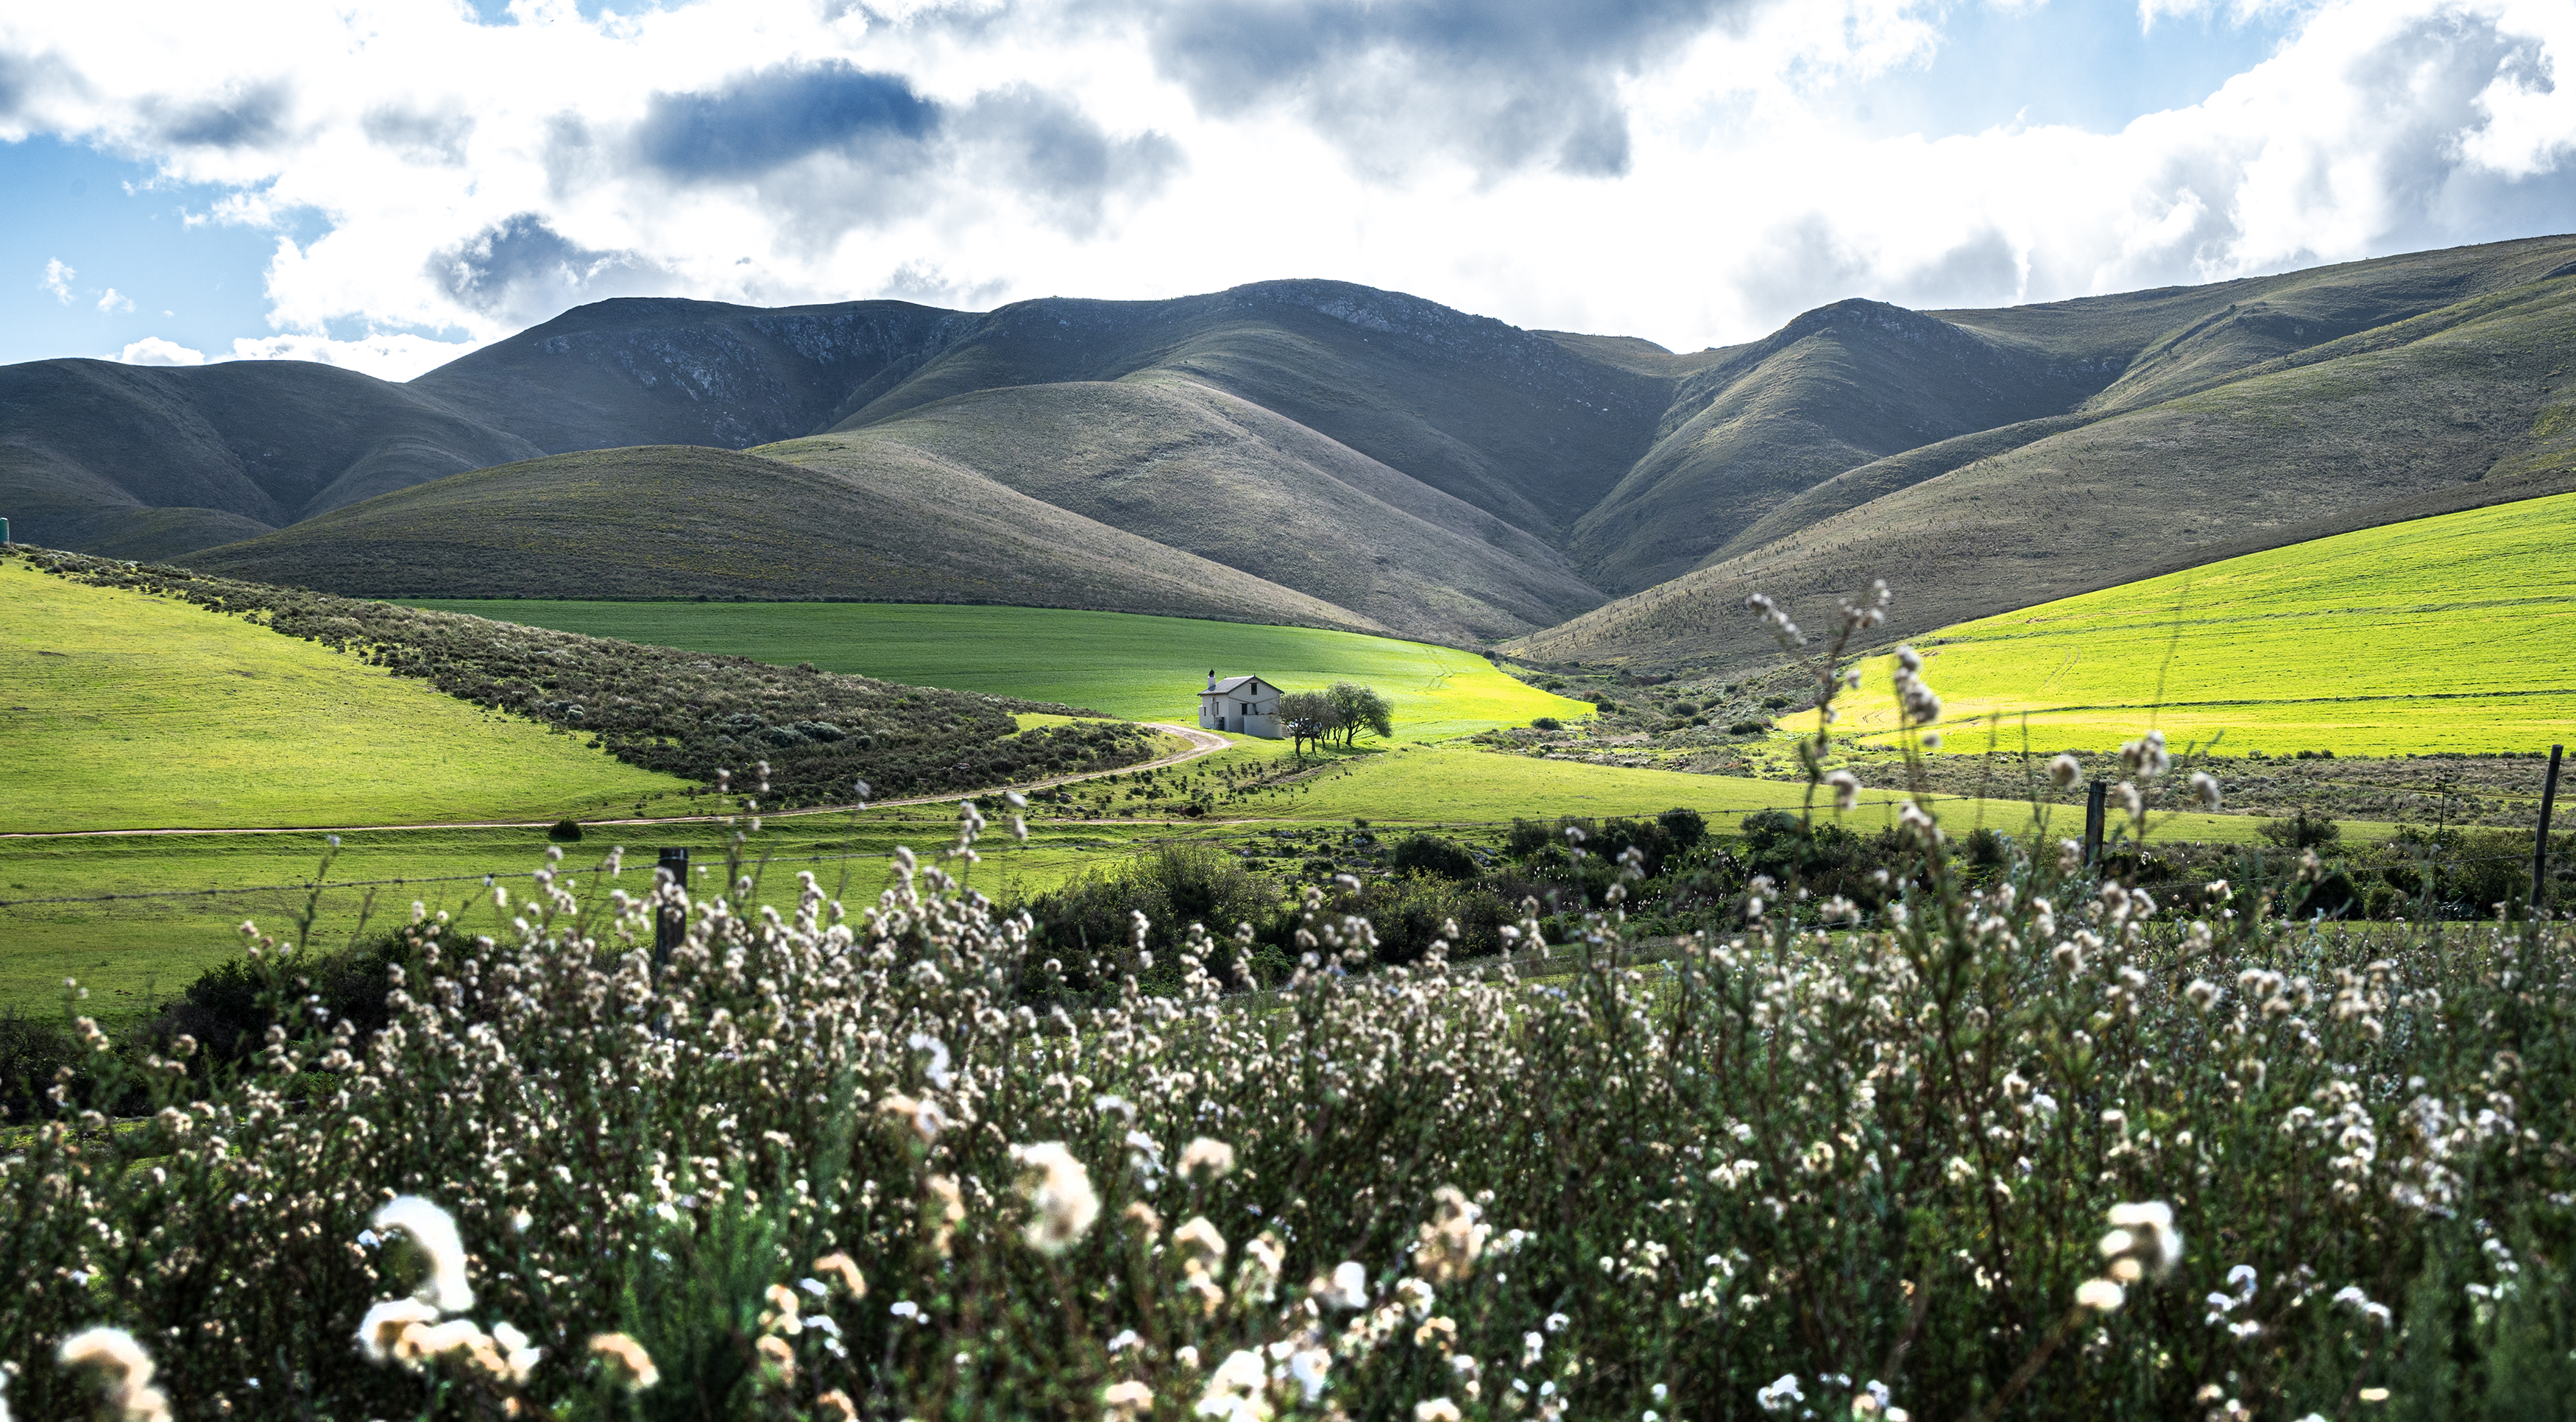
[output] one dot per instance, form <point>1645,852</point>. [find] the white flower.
<point>2100,1295</point>
<point>1058,1189</point>
<point>124,1372</point>
<point>1234,1389</point>
<point>1348,1288</point>
<point>1780,1394</point>
<point>1438,1409</point>
<point>1308,1368</point>
<point>1846,789</point>
<point>2065,771</point>
<point>432,1231</point>
<point>2205,785</point>
<point>386,1322</point>
<point>1214,1157</point>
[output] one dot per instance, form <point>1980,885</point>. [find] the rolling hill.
<point>1349,457</point>
<point>684,521</point>
<point>2443,633</point>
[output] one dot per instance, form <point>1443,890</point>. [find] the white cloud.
<point>111,303</point>
<point>394,357</point>
<point>1702,182</point>
<point>58,280</point>
<point>152,350</point>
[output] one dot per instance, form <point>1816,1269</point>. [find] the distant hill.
<point>88,447</point>
<point>1347,456</point>
<point>676,521</point>
<point>2212,445</point>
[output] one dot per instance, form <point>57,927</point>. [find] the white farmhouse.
<point>1245,705</point>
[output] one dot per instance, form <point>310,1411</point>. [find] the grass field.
<point>130,951</point>
<point>1143,668</point>
<point>2445,634</point>
<point>119,710</point>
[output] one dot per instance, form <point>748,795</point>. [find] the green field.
<point>133,951</point>
<point>1142,668</point>
<point>2445,634</point>
<point>120,710</point>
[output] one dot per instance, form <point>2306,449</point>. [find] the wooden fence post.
<point>2540,841</point>
<point>669,925</point>
<point>2095,801</point>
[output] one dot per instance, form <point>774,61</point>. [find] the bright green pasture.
<point>119,710</point>
<point>1142,668</point>
<point>2445,634</point>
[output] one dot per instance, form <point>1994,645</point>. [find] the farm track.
<point>1202,743</point>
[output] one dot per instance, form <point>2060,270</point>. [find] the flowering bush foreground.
<point>2032,1149</point>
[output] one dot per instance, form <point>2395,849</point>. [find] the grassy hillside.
<point>1520,425</point>
<point>2448,633</point>
<point>1196,469</point>
<point>86,445</point>
<point>1146,668</point>
<point>124,710</point>
<point>2455,408</point>
<point>1838,387</point>
<point>679,521</point>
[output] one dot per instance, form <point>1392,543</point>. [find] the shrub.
<point>564,831</point>
<point>1547,723</point>
<point>2302,829</point>
<point>1748,728</point>
<point>1429,854</point>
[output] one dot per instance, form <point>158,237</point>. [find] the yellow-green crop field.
<point>2455,633</point>
<point>119,710</point>
<point>1138,667</point>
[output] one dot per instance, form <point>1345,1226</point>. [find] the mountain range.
<point>1319,453</point>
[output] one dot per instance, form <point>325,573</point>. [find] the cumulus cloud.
<point>1693,171</point>
<point>1502,85</point>
<point>111,302</point>
<point>758,121</point>
<point>152,350</point>
<point>58,280</point>
<point>387,357</point>
<point>521,270</point>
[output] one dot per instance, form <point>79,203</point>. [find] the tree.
<point>1306,716</point>
<point>1360,709</point>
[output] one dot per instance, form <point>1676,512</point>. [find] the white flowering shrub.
<point>2029,1146</point>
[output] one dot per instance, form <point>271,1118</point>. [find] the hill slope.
<point>2445,633</point>
<point>683,521</point>
<point>111,688</point>
<point>87,444</point>
<point>1194,468</point>
<point>2459,407</point>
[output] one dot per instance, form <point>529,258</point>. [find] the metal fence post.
<point>2540,841</point>
<point>669,925</point>
<point>2096,799</point>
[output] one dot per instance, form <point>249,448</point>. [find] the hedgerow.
<point>684,713</point>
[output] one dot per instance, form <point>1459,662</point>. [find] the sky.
<point>386,186</point>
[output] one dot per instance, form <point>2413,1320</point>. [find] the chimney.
<point>1211,678</point>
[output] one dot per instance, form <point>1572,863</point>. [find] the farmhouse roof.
<point>1228,684</point>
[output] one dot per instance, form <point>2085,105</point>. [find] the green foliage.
<point>2302,829</point>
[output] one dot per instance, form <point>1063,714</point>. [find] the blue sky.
<point>385,185</point>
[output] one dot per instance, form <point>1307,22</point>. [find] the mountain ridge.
<point>1365,456</point>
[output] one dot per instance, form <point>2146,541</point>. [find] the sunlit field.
<point>1143,668</point>
<point>2445,634</point>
